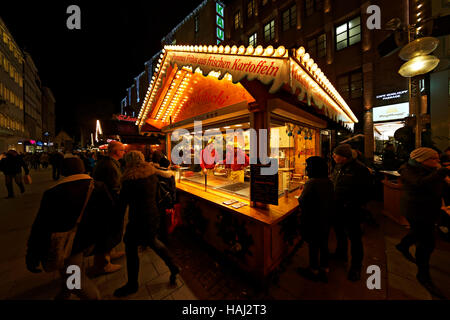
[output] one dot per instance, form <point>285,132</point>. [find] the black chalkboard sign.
<point>263,188</point>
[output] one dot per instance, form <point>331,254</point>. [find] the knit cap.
<point>344,150</point>
<point>422,154</point>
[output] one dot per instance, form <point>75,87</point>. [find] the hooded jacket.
<point>139,191</point>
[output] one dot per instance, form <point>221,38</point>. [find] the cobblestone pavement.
<point>206,275</point>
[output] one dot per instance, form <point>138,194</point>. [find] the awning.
<point>193,80</point>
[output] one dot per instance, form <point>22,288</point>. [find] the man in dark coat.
<point>139,192</point>
<point>56,159</point>
<point>12,166</point>
<point>59,210</point>
<point>317,206</point>
<point>423,181</point>
<point>351,180</point>
<point>109,172</point>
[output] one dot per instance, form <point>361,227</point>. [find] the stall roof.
<point>190,79</point>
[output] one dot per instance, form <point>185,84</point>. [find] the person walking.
<point>139,191</point>
<point>44,160</point>
<point>316,206</point>
<point>167,183</point>
<point>423,181</point>
<point>12,165</point>
<point>351,180</point>
<point>56,160</point>
<point>108,171</point>
<point>59,210</point>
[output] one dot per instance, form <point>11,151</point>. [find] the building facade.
<point>48,118</point>
<point>33,102</point>
<point>11,92</point>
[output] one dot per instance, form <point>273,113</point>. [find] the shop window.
<point>269,31</point>
<point>348,34</point>
<point>317,47</point>
<point>237,20</point>
<point>296,143</point>
<point>196,24</point>
<point>252,40</point>
<point>312,6</point>
<point>290,18</point>
<point>251,6</point>
<point>350,86</point>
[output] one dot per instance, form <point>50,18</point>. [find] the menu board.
<point>263,188</point>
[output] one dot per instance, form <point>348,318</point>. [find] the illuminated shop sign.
<point>220,22</point>
<point>392,95</point>
<point>391,112</point>
<point>39,143</point>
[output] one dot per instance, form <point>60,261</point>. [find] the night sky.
<point>90,69</point>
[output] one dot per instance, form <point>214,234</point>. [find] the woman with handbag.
<point>72,209</point>
<point>139,191</point>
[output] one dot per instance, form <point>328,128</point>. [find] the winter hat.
<point>316,167</point>
<point>422,154</point>
<point>71,166</point>
<point>133,158</point>
<point>344,150</point>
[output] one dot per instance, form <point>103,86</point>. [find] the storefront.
<point>388,116</point>
<point>232,115</point>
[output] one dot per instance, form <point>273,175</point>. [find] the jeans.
<point>9,183</point>
<point>131,250</point>
<point>348,227</point>
<point>319,247</point>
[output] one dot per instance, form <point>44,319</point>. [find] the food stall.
<point>230,113</point>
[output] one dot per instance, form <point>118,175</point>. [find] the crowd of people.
<point>337,201</point>
<point>128,180</point>
<point>121,181</point>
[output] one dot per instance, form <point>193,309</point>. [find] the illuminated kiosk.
<point>232,88</point>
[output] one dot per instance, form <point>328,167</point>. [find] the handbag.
<point>27,179</point>
<point>61,242</point>
<point>173,218</point>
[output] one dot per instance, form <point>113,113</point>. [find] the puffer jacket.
<point>139,191</point>
<point>423,190</point>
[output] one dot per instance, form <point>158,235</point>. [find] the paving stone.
<point>184,293</point>
<point>160,288</point>
<point>409,287</point>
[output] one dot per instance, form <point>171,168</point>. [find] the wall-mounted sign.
<point>391,112</point>
<point>392,95</point>
<point>122,117</point>
<point>39,143</point>
<point>220,22</point>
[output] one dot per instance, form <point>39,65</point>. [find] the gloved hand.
<point>32,264</point>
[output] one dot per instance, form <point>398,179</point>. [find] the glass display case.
<point>229,173</point>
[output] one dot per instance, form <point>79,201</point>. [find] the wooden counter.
<point>392,194</point>
<point>254,238</point>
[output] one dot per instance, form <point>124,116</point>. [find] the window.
<point>252,40</point>
<point>264,2</point>
<point>237,20</point>
<point>312,6</point>
<point>251,6</point>
<point>317,47</point>
<point>196,24</point>
<point>269,31</point>
<point>290,18</point>
<point>348,34</point>
<point>350,86</point>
